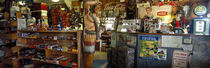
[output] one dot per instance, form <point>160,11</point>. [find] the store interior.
<point>104,33</point>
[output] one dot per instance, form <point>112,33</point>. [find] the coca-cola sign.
<point>162,13</point>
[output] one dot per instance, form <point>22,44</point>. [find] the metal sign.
<point>200,10</point>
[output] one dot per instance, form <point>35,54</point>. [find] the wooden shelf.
<point>165,34</point>
<point>42,61</point>
<point>49,39</point>
<point>23,42</point>
<point>49,50</point>
<point>49,31</point>
<point>9,36</point>
<point>61,51</point>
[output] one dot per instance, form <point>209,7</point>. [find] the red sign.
<point>162,13</point>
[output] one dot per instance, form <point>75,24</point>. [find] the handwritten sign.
<point>180,59</point>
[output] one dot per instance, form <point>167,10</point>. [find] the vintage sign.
<point>180,59</point>
<point>200,10</point>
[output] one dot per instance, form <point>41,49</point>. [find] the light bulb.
<point>55,0</point>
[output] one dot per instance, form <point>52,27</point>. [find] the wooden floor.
<point>100,55</point>
<point>100,60</point>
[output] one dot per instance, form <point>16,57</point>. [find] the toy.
<point>179,22</point>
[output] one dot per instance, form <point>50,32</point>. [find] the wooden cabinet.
<point>63,43</point>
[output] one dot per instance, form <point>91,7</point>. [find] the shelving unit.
<point>50,39</point>
<point>8,30</point>
<point>70,48</point>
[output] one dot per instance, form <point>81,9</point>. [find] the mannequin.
<point>91,21</point>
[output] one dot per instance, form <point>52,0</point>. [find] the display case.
<point>154,50</point>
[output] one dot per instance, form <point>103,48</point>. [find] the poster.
<point>172,41</point>
<point>158,12</point>
<point>142,9</point>
<point>180,59</point>
<point>148,47</point>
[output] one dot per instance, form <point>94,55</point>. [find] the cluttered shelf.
<point>49,39</point>
<point>62,51</point>
<point>49,31</point>
<point>75,52</point>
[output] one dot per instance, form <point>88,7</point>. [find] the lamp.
<point>55,0</point>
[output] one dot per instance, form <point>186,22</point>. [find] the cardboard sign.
<point>172,41</point>
<point>180,59</point>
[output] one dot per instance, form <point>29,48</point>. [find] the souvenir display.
<point>31,24</point>
<point>55,14</point>
<point>63,19</point>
